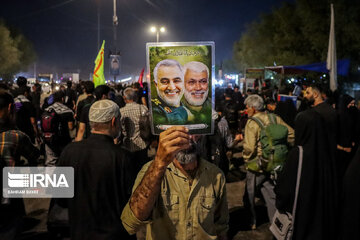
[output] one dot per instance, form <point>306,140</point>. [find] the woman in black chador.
<point>346,133</point>
<point>317,200</point>
<point>351,201</point>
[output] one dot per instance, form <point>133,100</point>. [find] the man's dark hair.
<point>229,92</point>
<point>4,86</point>
<point>37,87</point>
<point>269,101</point>
<point>58,96</point>
<point>69,83</point>
<point>21,81</point>
<point>5,99</point>
<point>316,87</point>
<point>89,87</point>
<point>100,91</point>
<point>136,85</point>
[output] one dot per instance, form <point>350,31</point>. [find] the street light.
<point>154,29</point>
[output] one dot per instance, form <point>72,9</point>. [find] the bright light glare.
<point>162,29</point>
<point>221,82</point>
<point>153,29</point>
<point>125,79</point>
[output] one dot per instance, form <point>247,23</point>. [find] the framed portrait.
<point>181,86</point>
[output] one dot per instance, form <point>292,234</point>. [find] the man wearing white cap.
<point>102,186</point>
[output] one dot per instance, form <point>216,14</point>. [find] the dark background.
<point>64,32</point>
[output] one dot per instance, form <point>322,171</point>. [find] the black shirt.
<point>70,98</point>
<point>24,111</point>
<point>84,118</point>
<point>89,100</point>
<point>102,187</point>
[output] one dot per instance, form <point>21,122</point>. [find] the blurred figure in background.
<point>317,201</point>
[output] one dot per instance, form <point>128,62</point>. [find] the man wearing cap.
<point>102,185</point>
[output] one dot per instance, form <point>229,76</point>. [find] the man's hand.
<point>171,142</point>
<point>239,137</point>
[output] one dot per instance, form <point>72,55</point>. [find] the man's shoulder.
<point>19,134</point>
<point>324,108</point>
<point>211,169</point>
<point>262,116</point>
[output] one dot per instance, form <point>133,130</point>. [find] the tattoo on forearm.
<point>145,195</point>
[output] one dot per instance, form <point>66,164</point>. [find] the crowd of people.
<point>175,183</point>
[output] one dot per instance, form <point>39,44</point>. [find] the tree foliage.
<point>299,34</point>
<point>16,52</point>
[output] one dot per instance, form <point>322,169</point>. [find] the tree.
<point>16,52</point>
<point>299,33</point>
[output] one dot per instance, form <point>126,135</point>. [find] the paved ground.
<point>35,222</point>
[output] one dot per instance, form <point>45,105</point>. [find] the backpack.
<point>50,125</point>
<point>273,140</point>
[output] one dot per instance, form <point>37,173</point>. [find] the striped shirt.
<point>13,144</point>
<point>130,115</point>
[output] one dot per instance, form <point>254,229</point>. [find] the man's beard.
<point>196,102</point>
<point>309,102</point>
<point>187,156</point>
<point>175,102</point>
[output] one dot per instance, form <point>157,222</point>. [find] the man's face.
<point>170,85</point>
<point>250,111</point>
<point>196,87</point>
<point>309,96</point>
<point>189,155</point>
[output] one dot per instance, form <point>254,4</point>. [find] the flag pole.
<point>331,57</point>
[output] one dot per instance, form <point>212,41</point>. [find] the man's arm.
<point>146,193</point>
<point>81,132</point>
<point>251,132</point>
<point>143,199</point>
<point>28,150</point>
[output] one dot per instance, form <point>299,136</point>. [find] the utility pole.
<point>98,24</point>
<point>115,56</point>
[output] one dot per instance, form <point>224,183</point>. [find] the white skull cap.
<point>103,111</point>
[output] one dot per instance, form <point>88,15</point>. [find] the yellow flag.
<point>98,76</point>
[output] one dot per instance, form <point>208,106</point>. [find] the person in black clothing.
<point>102,183</point>
<point>14,144</point>
<point>287,111</point>
<point>65,118</point>
<point>238,98</point>
<point>26,113</point>
<point>101,92</point>
<point>346,134</point>
<point>89,89</point>
<point>314,99</point>
<point>317,201</point>
<point>70,96</point>
<point>350,204</point>
<point>230,110</point>
<point>35,99</point>
<point>21,82</point>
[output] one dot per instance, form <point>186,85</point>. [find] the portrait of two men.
<point>181,87</point>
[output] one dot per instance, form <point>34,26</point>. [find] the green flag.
<point>98,76</point>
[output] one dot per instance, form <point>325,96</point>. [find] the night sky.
<point>64,32</point>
